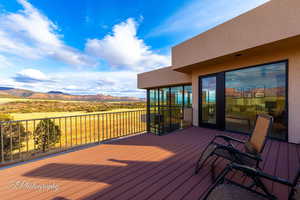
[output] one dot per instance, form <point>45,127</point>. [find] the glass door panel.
<point>208,109</point>
<point>254,91</point>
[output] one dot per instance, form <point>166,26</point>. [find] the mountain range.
<point>8,92</point>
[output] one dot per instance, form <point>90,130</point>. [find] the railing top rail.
<point>67,116</point>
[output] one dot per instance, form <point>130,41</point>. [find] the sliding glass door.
<point>208,99</point>
<point>254,91</point>
<point>232,100</point>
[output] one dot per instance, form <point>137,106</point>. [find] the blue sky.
<point>91,47</point>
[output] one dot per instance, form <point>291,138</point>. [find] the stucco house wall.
<point>292,54</point>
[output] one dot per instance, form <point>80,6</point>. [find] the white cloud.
<point>123,49</point>
<point>31,76</point>
<point>199,16</point>
<point>30,34</point>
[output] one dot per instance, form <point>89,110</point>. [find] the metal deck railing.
<point>26,139</point>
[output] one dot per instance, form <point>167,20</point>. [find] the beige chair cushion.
<point>260,133</point>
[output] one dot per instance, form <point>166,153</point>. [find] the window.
<point>187,96</point>
<point>176,96</point>
<point>256,90</point>
<point>166,107</point>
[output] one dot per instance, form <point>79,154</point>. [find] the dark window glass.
<point>176,96</point>
<point>188,96</point>
<point>164,98</point>
<point>253,91</point>
<point>153,97</point>
<point>166,108</point>
<point>209,100</point>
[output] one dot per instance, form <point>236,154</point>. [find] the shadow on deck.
<point>137,168</point>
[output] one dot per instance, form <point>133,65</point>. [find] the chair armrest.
<point>228,138</point>
<point>252,172</point>
<point>252,156</point>
<point>234,152</point>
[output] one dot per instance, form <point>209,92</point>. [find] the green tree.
<point>12,134</point>
<point>46,135</point>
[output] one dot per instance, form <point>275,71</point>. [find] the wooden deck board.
<point>142,167</point>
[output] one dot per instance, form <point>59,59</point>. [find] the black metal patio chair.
<point>226,189</point>
<point>250,155</point>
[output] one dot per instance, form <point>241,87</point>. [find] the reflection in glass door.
<point>209,86</point>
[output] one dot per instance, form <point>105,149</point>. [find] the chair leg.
<point>213,167</point>
<point>208,151</point>
<point>200,165</point>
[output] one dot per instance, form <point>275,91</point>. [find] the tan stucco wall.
<point>267,55</point>
<point>162,77</point>
<point>273,21</point>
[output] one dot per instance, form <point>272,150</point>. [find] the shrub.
<point>46,135</point>
<point>12,134</point>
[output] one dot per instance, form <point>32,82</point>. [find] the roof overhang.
<point>162,77</point>
<point>270,24</point>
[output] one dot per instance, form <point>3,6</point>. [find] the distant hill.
<point>57,95</point>
<point>56,92</point>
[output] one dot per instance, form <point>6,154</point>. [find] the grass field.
<point>78,129</point>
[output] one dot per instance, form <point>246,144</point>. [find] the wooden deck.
<point>137,168</point>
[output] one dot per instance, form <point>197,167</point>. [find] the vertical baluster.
<point>2,142</point>
<point>34,137</point>
<point>48,135</point>
<point>106,127</point>
<point>80,130</point>
<point>66,135</point>
<point>113,124</point>
<point>110,134</point>
<point>94,116</point>
<point>71,131</point>
<point>19,135</point>
<point>59,121</point>
<point>122,122</point>
<point>90,123</point>
<point>134,121</point>
<point>98,123</point>
<point>118,124</point>
<point>27,139</point>
<point>85,129</point>
<point>103,134</point>
<point>54,135</point>
<point>76,130</point>
<point>126,123</point>
<point>11,140</point>
<point>130,122</point>
<point>140,120</point>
